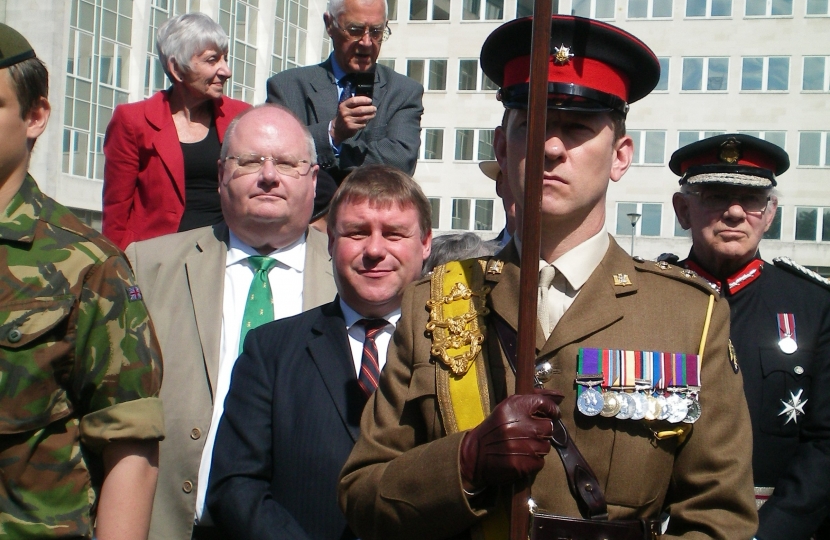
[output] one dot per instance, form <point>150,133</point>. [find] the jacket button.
<point>15,335</point>
<point>187,486</point>
<point>195,433</point>
<point>798,369</point>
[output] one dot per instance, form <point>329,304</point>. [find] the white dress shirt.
<point>357,334</point>
<point>286,279</point>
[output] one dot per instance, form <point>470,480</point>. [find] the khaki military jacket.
<point>402,479</point>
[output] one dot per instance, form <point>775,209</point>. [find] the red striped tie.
<point>369,367</point>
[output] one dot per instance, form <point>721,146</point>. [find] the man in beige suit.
<point>196,285</point>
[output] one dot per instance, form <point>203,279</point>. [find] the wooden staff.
<point>531,234</point>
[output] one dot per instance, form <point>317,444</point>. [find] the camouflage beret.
<point>13,47</point>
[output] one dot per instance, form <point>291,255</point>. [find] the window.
<point>435,72</point>
<point>466,140</point>
<point>649,147</point>
<point>239,20</point>
<point>813,149</point>
<point>778,138</point>
<point>482,214</point>
<point>524,8</point>
<point>816,74</point>
<point>392,8</point>
<point>432,146</point>
<point>817,7</point>
<point>769,8</point>
<point>429,10</point>
<point>705,74</point>
<point>290,35</point>
<point>680,231</point>
<point>688,137</point>
<point>470,77</point>
<point>812,224</point>
<point>663,83</point>
<point>90,218</point>
<point>477,10</point>
<point>594,9</point>
<point>649,9</point>
<point>765,73</point>
<point>647,225</point>
<point>435,206</point>
<point>388,62</point>
<point>774,231</point>
<point>708,8</point>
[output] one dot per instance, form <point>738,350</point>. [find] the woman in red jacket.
<point>161,169</point>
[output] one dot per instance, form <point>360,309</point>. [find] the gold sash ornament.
<point>456,324</point>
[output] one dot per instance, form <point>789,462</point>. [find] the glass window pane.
<point>695,8</point>
<point>721,8</point>
<point>86,16</point>
<point>441,10</point>
<point>437,75</point>
<point>778,138</point>
<point>392,6</point>
<point>809,148</point>
<point>679,231</point>
<point>718,74</point>
<point>415,70</point>
<point>635,137</point>
<point>81,147</point>
<point>434,144</point>
<point>637,9</point>
<point>816,7</point>
<point>655,146</point>
<point>826,149</point>
<point>756,7</point>
<point>484,215</point>
<point>388,62</point>
<point>687,137</point>
<point>435,206</point>
<point>692,73</point>
<point>464,144</point>
<point>485,145</point>
<point>650,222</point>
<point>581,8</point>
<point>524,8</point>
<point>779,73</point>
<point>487,83</point>
<point>467,71</point>
<point>418,10</point>
<point>470,10</point>
<point>774,231</point>
<point>782,7</point>
<point>494,10</point>
<point>813,73</point>
<point>825,225</point>
<point>805,223</point>
<point>605,9</point>
<point>753,69</point>
<point>461,214</point>
<point>663,83</point>
<point>662,8</point>
<point>623,221</point>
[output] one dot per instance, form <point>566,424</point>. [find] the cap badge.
<point>730,152</point>
<point>621,280</point>
<point>563,55</point>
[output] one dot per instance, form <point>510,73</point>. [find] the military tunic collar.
<point>734,283</point>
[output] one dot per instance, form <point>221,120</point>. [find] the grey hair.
<point>457,247</point>
<point>229,133</point>
<point>184,36</point>
<point>337,7</point>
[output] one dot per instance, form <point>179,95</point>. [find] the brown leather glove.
<point>512,442</point>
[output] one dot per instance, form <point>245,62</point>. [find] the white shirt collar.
<point>351,316</point>
<point>579,263</point>
<point>292,255</point>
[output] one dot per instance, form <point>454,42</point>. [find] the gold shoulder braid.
<point>456,315</point>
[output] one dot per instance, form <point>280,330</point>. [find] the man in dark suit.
<point>352,130</point>
<point>780,325</point>
<point>293,410</point>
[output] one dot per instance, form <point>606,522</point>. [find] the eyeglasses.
<point>720,201</point>
<point>252,163</point>
<point>378,34</point>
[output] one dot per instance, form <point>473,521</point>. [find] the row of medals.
<point>642,403</point>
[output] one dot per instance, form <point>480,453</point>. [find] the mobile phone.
<point>364,83</point>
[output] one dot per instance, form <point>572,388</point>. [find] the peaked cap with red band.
<point>734,159</point>
<point>593,66</point>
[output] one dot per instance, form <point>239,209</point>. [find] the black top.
<point>791,452</point>
<point>201,182</point>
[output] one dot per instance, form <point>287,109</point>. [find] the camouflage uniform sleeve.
<point>118,360</point>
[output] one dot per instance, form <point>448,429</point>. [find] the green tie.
<point>259,307</point>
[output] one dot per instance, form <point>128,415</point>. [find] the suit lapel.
<point>322,97</point>
<point>166,140</point>
<point>330,351</point>
<point>317,262</point>
<point>205,268</point>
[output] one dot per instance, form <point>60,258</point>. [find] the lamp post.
<point>634,217</point>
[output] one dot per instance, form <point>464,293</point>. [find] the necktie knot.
<point>262,264</point>
<point>373,326</point>
<point>546,276</point>
<point>369,374</point>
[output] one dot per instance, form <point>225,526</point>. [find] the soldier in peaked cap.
<point>444,437</point>
<point>780,316</point>
<point>80,364</point>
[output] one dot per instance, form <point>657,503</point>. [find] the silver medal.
<point>627,406</point>
<point>664,407</point>
<point>677,408</point>
<point>788,345</point>
<point>653,408</point>
<point>590,402</point>
<point>693,412</point>
<point>611,404</point>
<point>640,406</point>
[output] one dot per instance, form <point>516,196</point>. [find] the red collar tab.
<point>745,276</point>
<point>563,68</point>
<point>691,265</point>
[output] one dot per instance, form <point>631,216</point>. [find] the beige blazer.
<point>402,479</point>
<point>182,278</point>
